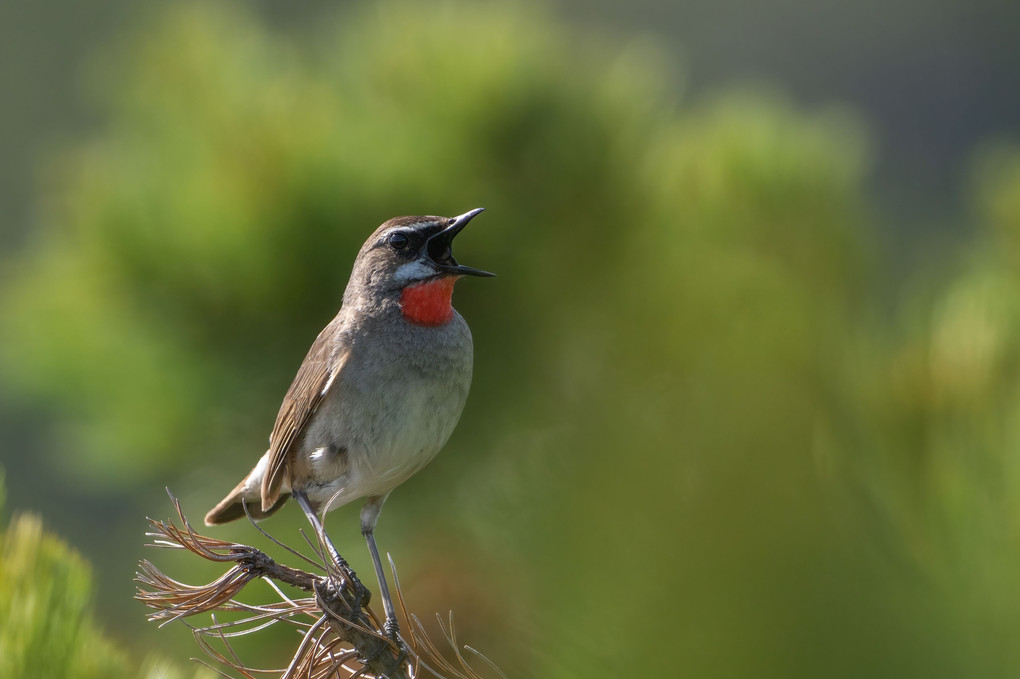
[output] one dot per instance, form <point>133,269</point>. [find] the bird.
<point>380,391</point>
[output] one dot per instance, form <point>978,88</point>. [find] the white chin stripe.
<point>413,271</point>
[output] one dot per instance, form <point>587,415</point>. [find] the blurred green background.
<point>747,386</point>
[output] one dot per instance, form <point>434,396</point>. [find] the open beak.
<point>439,247</point>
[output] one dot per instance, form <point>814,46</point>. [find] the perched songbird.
<point>380,391</point>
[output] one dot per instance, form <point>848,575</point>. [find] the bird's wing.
<point>316,376</point>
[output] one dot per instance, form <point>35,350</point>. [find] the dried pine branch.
<point>340,634</point>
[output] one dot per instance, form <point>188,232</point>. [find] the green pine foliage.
<point>46,623</point>
<point>45,593</point>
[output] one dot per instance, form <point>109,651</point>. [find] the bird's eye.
<point>398,241</point>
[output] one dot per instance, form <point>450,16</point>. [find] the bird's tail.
<point>231,507</point>
<point>247,494</point>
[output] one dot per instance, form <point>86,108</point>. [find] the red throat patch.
<point>428,303</point>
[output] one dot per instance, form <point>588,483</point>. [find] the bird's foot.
<point>348,579</point>
<point>382,648</point>
<point>360,591</point>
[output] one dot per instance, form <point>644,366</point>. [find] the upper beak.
<point>439,247</point>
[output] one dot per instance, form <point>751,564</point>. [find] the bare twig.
<point>340,634</point>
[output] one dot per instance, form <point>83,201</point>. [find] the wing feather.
<point>316,376</point>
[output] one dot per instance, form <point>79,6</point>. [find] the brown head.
<point>411,259</point>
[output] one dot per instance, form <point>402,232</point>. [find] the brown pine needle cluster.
<point>340,636</point>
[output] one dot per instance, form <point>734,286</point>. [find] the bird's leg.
<point>341,564</point>
<point>369,516</point>
<point>391,626</point>
<point>320,532</point>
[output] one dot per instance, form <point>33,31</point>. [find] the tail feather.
<point>231,507</point>
<point>248,494</point>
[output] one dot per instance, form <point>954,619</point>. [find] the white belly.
<point>386,435</point>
